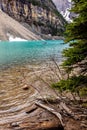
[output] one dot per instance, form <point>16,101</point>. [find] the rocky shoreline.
<point>22,88</point>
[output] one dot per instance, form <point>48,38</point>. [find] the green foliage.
<point>40,23</point>
<point>76,35</point>
<point>60,16</point>
<point>84,105</point>
<point>38,3</point>
<point>34,2</point>
<point>54,31</point>
<point>77,32</point>
<point>75,54</point>
<point>83,91</point>
<point>71,84</point>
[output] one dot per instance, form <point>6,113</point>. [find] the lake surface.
<point>30,51</point>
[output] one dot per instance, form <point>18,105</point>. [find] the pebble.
<point>25,87</point>
<point>14,124</point>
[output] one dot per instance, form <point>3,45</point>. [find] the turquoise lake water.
<point>30,51</point>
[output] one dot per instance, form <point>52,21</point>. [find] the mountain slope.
<point>9,26</point>
<point>41,15</point>
<point>64,6</point>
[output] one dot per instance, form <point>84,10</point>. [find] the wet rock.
<point>25,87</point>
<point>2,92</point>
<point>15,124</point>
<point>55,128</point>
<point>32,109</point>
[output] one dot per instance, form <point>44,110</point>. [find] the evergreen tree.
<point>76,34</point>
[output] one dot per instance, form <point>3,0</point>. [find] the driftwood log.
<point>51,110</point>
<point>60,103</point>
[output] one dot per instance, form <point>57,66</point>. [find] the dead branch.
<point>63,106</point>
<point>51,110</point>
<point>61,76</point>
<point>45,82</point>
<point>55,72</point>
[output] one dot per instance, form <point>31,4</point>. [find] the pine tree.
<point>76,35</point>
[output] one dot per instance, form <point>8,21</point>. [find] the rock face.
<point>64,6</point>
<point>41,15</point>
